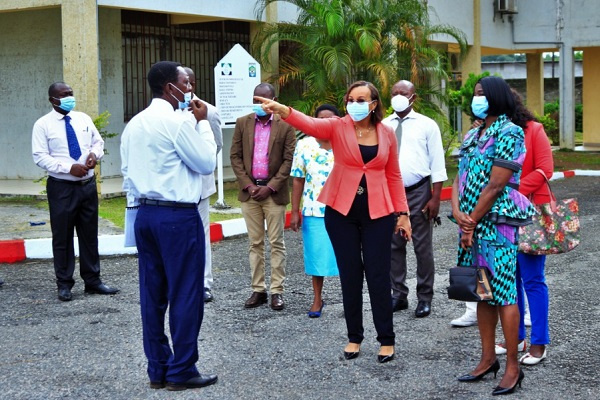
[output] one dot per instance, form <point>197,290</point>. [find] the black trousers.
<point>362,248</point>
<point>74,206</point>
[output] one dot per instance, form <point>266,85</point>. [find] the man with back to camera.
<point>208,187</point>
<point>421,156</point>
<point>67,145</point>
<point>164,155</point>
<point>262,150</point>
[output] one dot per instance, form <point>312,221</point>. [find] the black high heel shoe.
<point>501,391</point>
<point>381,358</point>
<point>474,378</point>
<point>349,355</point>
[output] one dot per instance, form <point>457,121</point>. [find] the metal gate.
<point>148,38</point>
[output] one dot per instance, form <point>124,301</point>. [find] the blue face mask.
<point>480,106</point>
<point>187,98</point>
<point>257,108</point>
<point>66,103</point>
<point>358,111</point>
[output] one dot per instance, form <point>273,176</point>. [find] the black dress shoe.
<point>65,295</point>
<point>256,300</point>
<point>399,303</point>
<point>474,378</point>
<point>501,391</point>
<point>100,289</point>
<point>423,309</point>
<point>208,296</point>
<point>157,385</point>
<point>196,382</point>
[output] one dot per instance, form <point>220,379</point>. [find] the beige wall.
<point>591,98</point>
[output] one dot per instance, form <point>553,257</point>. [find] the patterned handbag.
<point>555,229</point>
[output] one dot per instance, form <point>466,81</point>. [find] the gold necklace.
<point>359,132</point>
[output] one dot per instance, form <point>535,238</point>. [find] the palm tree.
<point>336,42</point>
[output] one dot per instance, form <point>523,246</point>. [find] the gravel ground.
<point>91,348</point>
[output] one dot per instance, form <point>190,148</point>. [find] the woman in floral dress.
<point>488,208</point>
<point>313,161</point>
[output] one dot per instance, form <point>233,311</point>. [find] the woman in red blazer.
<point>365,204</point>
<point>531,268</point>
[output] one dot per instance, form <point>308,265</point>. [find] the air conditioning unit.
<point>507,6</point>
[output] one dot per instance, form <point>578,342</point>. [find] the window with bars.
<point>149,38</point>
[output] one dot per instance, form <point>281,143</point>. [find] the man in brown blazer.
<point>261,158</point>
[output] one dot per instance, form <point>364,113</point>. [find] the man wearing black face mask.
<point>67,145</point>
<point>422,165</point>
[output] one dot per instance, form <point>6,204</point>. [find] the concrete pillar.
<point>535,83</point>
<point>471,64</point>
<point>567,97</point>
<point>81,56</point>
<point>591,100</point>
<point>271,70</point>
<point>80,52</point>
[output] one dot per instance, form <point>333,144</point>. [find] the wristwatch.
<point>407,213</point>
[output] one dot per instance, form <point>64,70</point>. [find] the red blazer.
<point>538,155</point>
<point>384,182</point>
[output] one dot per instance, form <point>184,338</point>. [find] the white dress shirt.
<point>163,155</point>
<point>421,151</point>
<point>50,147</point>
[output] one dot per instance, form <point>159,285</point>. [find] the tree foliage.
<point>336,42</point>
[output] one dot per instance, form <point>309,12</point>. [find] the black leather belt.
<point>261,182</point>
<point>417,185</point>
<point>78,183</point>
<point>163,203</point>
<point>513,185</point>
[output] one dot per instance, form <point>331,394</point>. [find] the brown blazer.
<point>282,143</point>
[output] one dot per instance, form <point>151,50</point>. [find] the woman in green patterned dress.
<point>488,208</point>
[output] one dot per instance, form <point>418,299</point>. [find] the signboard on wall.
<point>236,76</point>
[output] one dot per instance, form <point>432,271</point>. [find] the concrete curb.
<point>12,251</point>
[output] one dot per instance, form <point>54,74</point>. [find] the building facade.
<point>103,49</point>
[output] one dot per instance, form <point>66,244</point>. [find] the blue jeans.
<point>531,277</point>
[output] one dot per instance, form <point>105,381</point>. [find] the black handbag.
<point>470,283</point>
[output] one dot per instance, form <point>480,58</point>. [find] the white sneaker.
<point>500,349</point>
<point>467,319</point>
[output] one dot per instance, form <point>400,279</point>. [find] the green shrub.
<point>553,110</point>
<point>550,126</point>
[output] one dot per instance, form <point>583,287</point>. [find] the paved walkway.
<point>91,348</point>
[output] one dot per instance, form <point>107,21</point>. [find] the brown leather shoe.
<point>277,302</point>
<point>256,300</point>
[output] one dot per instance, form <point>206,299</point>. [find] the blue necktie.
<point>74,150</point>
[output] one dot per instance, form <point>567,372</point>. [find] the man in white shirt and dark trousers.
<point>422,166</point>
<point>67,145</point>
<point>208,187</point>
<point>164,155</point>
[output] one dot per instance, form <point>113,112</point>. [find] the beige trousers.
<point>256,213</point>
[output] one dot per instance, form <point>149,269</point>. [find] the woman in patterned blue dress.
<point>313,161</point>
<point>488,208</point>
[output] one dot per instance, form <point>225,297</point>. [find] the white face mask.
<point>400,103</point>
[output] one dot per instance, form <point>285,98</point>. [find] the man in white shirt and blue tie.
<point>422,165</point>
<point>67,145</point>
